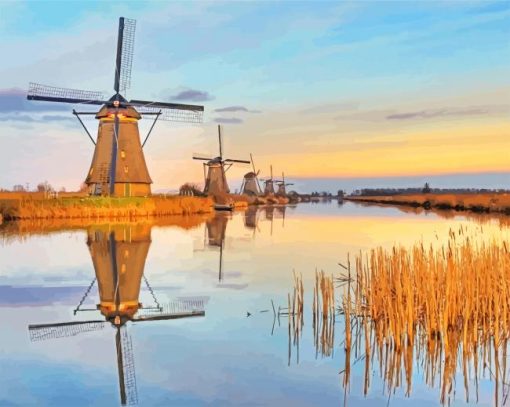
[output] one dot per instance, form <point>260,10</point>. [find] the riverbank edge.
<point>484,203</point>
<point>103,207</point>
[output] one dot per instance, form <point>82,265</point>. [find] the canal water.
<point>60,283</point>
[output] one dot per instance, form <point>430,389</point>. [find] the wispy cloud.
<point>34,118</point>
<point>332,108</point>
<point>450,112</point>
<point>236,109</point>
<point>228,120</point>
<point>15,100</point>
<point>191,95</point>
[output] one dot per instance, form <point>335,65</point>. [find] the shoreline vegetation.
<point>35,206</point>
<point>480,203</point>
<point>439,308</point>
<point>15,206</point>
<point>443,307</point>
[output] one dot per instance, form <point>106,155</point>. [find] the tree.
<point>426,189</point>
<point>44,187</point>
<point>19,188</point>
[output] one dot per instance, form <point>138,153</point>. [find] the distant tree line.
<point>40,187</point>
<point>423,190</point>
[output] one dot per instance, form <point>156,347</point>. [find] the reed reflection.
<point>439,309</point>
<point>119,253</point>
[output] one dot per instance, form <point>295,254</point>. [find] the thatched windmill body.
<point>269,183</point>
<point>250,185</point>
<point>282,190</point>
<point>215,180</point>
<point>119,258</point>
<point>118,165</point>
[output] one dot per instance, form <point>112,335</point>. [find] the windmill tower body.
<point>119,260</point>
<point>216,181</point>
<point>268,187</point>
<point>282,186</point>
<point>281,190</point>
<point>131,174</point>
<point>250,186</point>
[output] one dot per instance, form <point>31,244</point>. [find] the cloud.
<point>16,117</point>
<point>228,120</point>
<point>58,118</point>
<point>34,118</point>
<point>449,112</point>
<point>236,109</point>
<point>191,95</point>
<point>15,100</point>
<point>331,108</point>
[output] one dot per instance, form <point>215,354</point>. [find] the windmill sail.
<point>42,332</point>
<point>176,309</point>
<point>37,91</point>
<point>127,45</point>
<point>176,112</point>
<point>126,368</point>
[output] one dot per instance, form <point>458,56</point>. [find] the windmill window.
<point>123,154</point>
<point>126,169</point>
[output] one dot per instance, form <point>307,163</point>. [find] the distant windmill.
<point>118,165</point>
<point>282,190</point>
<point>119,259</point>
<point>269,183</point>
<point>250,185</point>
<point>216,180</point>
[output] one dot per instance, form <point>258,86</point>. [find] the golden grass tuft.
<point>482,202</point>
<point>102,207</point>
<point>323,319</point>
<point>445,307</point>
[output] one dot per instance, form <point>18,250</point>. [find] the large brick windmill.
<point>118,166</point>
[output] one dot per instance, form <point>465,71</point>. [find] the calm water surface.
<point>238,353</point>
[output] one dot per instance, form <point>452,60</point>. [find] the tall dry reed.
<point>447,307</point>
<point>323,319</point>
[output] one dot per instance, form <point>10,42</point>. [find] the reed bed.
<point>295,314</point>
<point>323,309</point>
<point>103,207</point>
<point>483,202</point>
<point>446,307</point>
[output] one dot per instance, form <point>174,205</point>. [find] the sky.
<point>335,94</point>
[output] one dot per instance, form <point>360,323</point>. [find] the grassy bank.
<point>489,202</point>
<point>34,207</point>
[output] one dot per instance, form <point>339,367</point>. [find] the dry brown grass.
<point>489,202</point>
<point>102,208</point>
<point>323,320</point>
<point>445,307</point>
<point>294,311</point>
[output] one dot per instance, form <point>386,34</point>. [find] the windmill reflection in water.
<point>119,254</point>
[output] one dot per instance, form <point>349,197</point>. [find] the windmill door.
<point>127,189</point>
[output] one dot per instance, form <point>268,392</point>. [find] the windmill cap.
<point>128,111</point>
<point>215,160</point>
